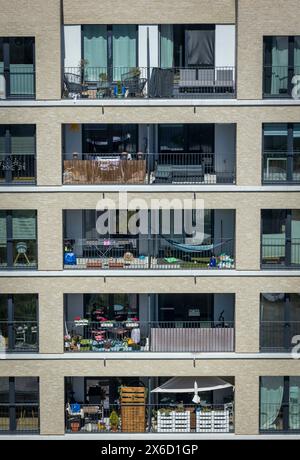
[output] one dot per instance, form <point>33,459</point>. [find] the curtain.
<point>295,259</point>
<point>166,46</point>
<point>199,47</point>
<point>124,49</point>
<point>294,403</point>
<point>23,145</point>
<point>279,57</point>
<point>23,225</point>
<point>21,79</point>
<point>95,51</point>
<point>271,399</point>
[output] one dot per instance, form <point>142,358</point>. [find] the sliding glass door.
<point>17,65</point>
<point>281,152</point>
<point>18,239</point>
<point>281,237</point>
<point>281,63</point>
<point>17,154</point>
<point>280,403</point>
<point>109,51</point>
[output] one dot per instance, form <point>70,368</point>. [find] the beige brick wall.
<point>153,12</point>
<point>39,19</point>
<point>257,18</point>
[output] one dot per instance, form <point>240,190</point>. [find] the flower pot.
<point>75,426</point>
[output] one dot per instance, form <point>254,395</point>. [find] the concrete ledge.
<point>145,273</point>
<point>106,356</point>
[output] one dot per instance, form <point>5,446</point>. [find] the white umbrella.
<point>196,398</point>
<point>192,385</point>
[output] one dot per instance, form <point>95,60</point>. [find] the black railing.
<point>280,252</point>
<point>143,82</point>
<point>147,253</point>
<point>281,167</point>
<point>17,84</point>
<point>19,336</point>
<point>150,168</point>
<point>149,418</point>
<point>17,169</point>
<point>19,418</point>
<point>149,336</point>
<point>276,336</point>
<point>279,81</point>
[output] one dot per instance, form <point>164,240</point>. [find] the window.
<point>280,403</point>
<point>19,404</point>
<point>105,138</point>
<point>17,62</point>
<point>18,322</point>
<point>281,63</point>
<point>187,45</point>
<point>281,152</point>
<point>120,307</point>
<point>281,237</point>
<point>109,51</point>
<point>280,321</point>
<point>18,240</point>
<point>17,154</point>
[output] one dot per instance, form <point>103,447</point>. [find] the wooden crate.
<point>133,409</point>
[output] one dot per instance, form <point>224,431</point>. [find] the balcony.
<point>171,410</point>
<point>19,336</point>
<point>174,323</point>
<point>17,169</point>
<point>17,68</point>
<point>279,81</point>
<point>281,167</point>
<point>146,169</point>
<point>154,83</point>
<point>276,336</point>
<point>280,242</point>
<point>140,154</point>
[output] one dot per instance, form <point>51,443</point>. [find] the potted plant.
<point>114,421</point>
<point>75,425</point>
<point>119,90</point>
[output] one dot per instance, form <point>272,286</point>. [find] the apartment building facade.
<point>154,333</point>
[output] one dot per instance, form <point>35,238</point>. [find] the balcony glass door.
<point>18,322</point>
<point>17,62</point>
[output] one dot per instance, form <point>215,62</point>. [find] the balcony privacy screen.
<point>24,225</point>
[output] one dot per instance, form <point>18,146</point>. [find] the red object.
<point>77,318</point>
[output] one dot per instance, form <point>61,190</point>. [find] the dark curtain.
<point>199,46</point>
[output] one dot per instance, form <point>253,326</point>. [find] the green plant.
<point>114,420</point>
<point>102,76</point>
<point>119,87</point>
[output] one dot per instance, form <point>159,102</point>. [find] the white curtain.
<point>166,46</point>
<point>271,399</point>
<point>294,403</point>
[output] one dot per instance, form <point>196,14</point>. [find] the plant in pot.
<point>119,89</point>
<point>114,421</point>
<point>75,425</point>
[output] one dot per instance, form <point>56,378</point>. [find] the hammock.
<point>194,247</point>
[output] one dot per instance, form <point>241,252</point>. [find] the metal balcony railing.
<point>19,336</point>
<point>83,335</point>
<point>276,336</point>
<point>149,418</point>
<point>19,418</point>
<point>149,168</point>
<point>17,169</point>
<point>281,167</point>
<point>147,253</point>
<point>149,82</point>
<point>280,252</point>
<point>17,84</point>
<point>279,81</point>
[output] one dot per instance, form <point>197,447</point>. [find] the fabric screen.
<point>95,51</point>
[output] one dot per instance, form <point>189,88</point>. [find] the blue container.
<point>69,258</point>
